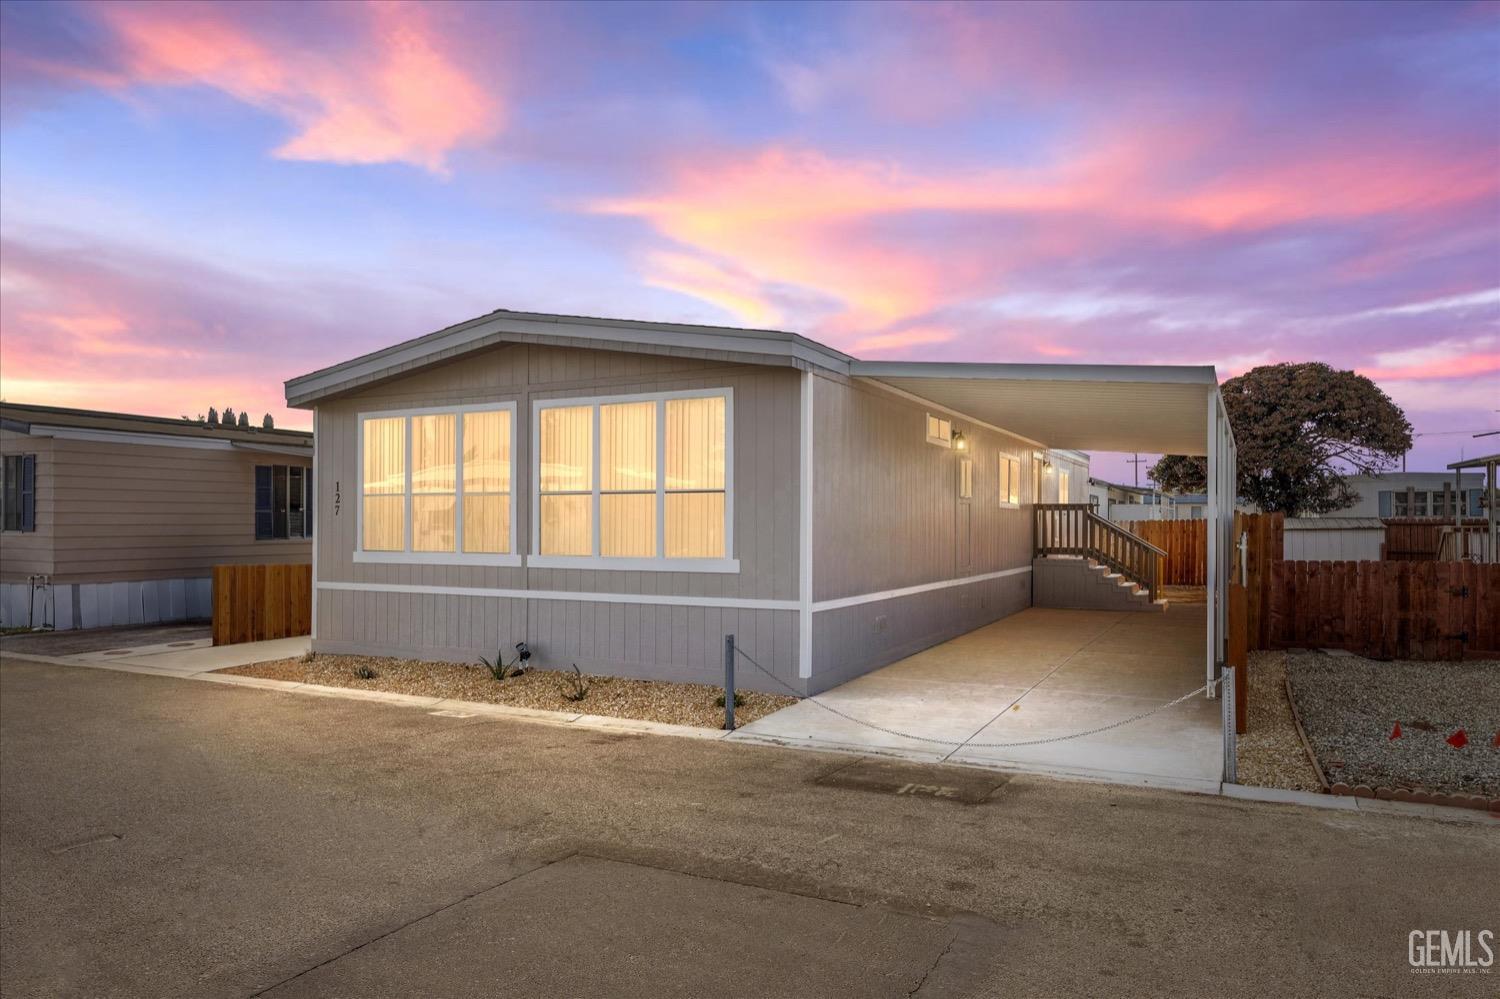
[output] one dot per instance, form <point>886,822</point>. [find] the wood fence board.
<point>253,603</point>
<point>1387,610</point>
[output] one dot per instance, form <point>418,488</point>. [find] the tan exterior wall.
<point>403,609</point>
<point>24,553</point>
<point>888,516</point>
<point>117,511</point>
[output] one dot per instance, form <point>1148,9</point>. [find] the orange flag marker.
<point>1458,740</point>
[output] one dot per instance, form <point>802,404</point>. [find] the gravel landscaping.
<point>1270,752</point>
<point>1349,705</point>
<point>644,700</point>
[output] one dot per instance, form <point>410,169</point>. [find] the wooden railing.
<point>1075,529</point>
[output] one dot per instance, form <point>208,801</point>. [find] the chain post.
<point>729,683</point>
<point>1231,737</point>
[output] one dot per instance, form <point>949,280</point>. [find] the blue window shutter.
<point>28,493</point>
<point>1385,502</point>
<point>1474,508</point>
<point>264,523</point>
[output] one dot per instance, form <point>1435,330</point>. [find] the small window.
<point>1036,478</point>
<point>939,431</point>
<point>283,495</point>
<point>1064,483</point>
<point>19,493</point>
<point>1010,481</point>
<point>966,479</point>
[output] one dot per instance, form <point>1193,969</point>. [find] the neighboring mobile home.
<point>624,494</point>
<point>112,519</point>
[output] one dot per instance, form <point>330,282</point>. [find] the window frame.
<point>657,563</point>
<point>271,511</point>
<point>1009,469</point>
<point>938,439</point>
<point>512,557</point>
<point>24,504</point>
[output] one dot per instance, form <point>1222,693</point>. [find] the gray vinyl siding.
<point>27,553</point>
<point>671,642</point>
<point>887,515</point>
<point>137,511</point>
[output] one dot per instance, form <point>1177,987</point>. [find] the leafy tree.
<point>266,423</point>
<point>1299,429</point>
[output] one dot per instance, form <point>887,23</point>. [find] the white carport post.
<point>1222,481</point>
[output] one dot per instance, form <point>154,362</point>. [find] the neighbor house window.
<point>939,431</point>
<point>634,481</point>
<point>436,485</point>
<point>1010,481</point>
<point>19,493</point>
<point>283,497</point>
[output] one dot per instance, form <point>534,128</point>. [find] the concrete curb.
<point>1349,803</point>
<point>605,723</point>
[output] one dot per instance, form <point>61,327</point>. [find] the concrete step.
<point>1087,585</point>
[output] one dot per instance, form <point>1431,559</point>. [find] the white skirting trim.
<point>907,591</point>
<point>736,603</point>
<point>662,600</point>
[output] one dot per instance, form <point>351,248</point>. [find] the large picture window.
<point>634,482</point>
<point>436,486</point>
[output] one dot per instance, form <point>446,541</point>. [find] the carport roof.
<point>1089,407</point>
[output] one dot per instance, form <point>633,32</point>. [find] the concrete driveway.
<point>1038,674</point>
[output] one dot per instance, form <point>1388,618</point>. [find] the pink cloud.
<point>396,95</point>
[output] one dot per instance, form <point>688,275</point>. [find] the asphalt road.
<point>165,837</point>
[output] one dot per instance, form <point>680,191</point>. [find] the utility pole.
<point>1137,461</point>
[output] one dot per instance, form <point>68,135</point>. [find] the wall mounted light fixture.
<point>960,442</point>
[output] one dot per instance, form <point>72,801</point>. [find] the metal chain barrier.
<point>976,745</point>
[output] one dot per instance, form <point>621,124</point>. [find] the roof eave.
<point>774,346</point>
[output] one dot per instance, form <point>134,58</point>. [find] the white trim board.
<point>666,600</point>
<point>805,530</point>
<point>908,591</point>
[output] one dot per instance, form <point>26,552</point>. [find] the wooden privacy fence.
<point>1417,539</point>
<point>1265,538</point>
<point>1186,545</point>
<point>1388,610</point>
<point>253,603</point>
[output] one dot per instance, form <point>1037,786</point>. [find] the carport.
<point>1043,674</point>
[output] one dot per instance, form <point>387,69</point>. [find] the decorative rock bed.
<point>1349,707</point>
<point>620,697</point>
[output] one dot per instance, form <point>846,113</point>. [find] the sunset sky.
<point>200,201</point>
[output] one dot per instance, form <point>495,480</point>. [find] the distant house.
<point>1416,494</point>
<point>1110,498</point>
<point>112,519</point>
<point>623,494</point>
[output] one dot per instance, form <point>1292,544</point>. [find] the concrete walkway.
<point>1038,674</point>
<point>183,658</point>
